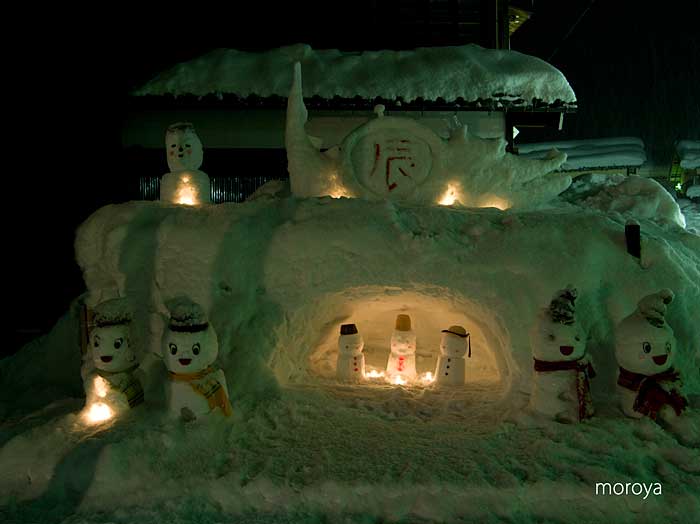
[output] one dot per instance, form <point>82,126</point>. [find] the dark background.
<point>633,65</point>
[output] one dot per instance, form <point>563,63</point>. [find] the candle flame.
<point>427,377</point>
<point>186,193</point>
<point>399,380</point>
<point>450,196</point>
<point>373,373</point>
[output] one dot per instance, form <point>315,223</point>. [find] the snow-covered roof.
<point>689,153</point>
<point>592,153</point>
<point>469,73</point>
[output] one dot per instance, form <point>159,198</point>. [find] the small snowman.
<point>562,370</point>
<point>189,349</point>
<point>351,361</point>
<point>644,347</point>
<point>401,365</point>
<point>451,366</point>
<point>115,380</point>
<point>185,184</point>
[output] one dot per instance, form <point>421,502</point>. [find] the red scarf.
<point>584,372</point>
<point>651,396</point>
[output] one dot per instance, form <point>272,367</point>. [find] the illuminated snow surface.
<point>470,72</point>
<point>277,276</point>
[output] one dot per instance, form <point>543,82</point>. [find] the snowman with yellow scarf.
<point>189,347</point>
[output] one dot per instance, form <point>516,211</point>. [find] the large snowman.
<point>401,365</point>
<point>645,347</point>
<point>190,347</point>
<point>562,369</point>
<point>351,361</point>
<point>451,366</point>
<point>111,377</point>
<point>185,184</point>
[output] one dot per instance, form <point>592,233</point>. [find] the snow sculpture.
<point>644,348</point>
<point>560,387</point>
<point>401,366</point>
<point>400,159</point>
<point>351,361</point>
<point>114,384</point>
<point>185,184</point>
<point>451,366</point>
<point>189,348</point>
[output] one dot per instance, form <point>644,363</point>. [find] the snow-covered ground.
<point>591,153</point>
<point>470,72</point>
<point>277,276</point>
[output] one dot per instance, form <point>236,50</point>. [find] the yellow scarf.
<point>210,388</point>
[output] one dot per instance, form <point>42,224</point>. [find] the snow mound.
<point>689,153</point>
<point>639,198</point>
<point>469,72</point>
<point>592,153</point>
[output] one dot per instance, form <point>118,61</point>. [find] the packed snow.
<point>591,153</point>
<point>469,72</point>
<point>689,153</point>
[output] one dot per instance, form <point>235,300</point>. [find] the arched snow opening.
<point>306,349</point>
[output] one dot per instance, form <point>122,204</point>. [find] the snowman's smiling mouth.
<point>106,358</point>
<point>660,360</point>
<point>185,361</point>
<point>566,350</point>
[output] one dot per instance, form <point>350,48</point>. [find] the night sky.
<point>634,67</point>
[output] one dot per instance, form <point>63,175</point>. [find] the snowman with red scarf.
<point>562,369</point>
<point>645,347</point>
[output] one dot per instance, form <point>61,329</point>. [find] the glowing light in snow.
<point>98,412</point>
<point>186,193</point>
<point>100,387</point>
<point>679,186</point>
<point>399,380</point>
<point>427,377</point>
<point>497,203</point>
<point>450,196</point>
<point>373,373</point>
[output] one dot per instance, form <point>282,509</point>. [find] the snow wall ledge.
<point>277,277</point>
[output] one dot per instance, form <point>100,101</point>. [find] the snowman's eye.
<point>646,347</point>
<point>118,343</point>
<point>346,347</point>
<point>187,145</point>
<point>551,337</point>
<point>577,338</point>
<point>668,347</point>
<point>172,145</point>
<point>97,343</point>
<point>195,349</point>
<point>173,348</point>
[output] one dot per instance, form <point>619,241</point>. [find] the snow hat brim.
<point>348,329</point>
<point>456,330</point>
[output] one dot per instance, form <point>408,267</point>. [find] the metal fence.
<point>223,189</point>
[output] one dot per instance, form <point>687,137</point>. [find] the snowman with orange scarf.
<point>189,346</point>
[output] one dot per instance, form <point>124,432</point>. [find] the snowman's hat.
<point>562,308</point>
<point>403,323</point>
<point>186,315</point>
<point>653,307</point>
<point>113,312</point>
<point>180,126</point>
<point>456,330</point>
<point>348,329</point>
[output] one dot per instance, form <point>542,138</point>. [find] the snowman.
<point>402,358</point>
<point>560,386</point>
<point>451,366</point>
<point>644,348</point>
<point>114,382</point>
<point>189,348</point>
<point>185,184</point>
<point>351,362</point>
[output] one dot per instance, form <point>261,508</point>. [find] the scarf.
<point>584,372</point>
<point>651,396</point>
<point>129,385</point>
<point>207,387</point>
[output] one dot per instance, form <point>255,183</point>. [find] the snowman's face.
<point>555,342</point>
<point>111,350</point>
<point>184,150</point>
<point>185,352</point>
<point>452,345</point>
<point>647,351</point>
<point>403,342</point>
<point>351,344</point>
